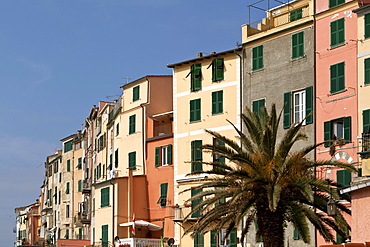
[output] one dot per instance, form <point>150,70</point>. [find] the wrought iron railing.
<point>366,142</point>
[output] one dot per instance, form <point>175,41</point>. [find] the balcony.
<point>138,242</point>
<point>86,187</point>
<point>84,217</point>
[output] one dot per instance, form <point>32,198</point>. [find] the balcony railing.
<point>365,142</point>
<point>139,242</point>
<point>86,186</point>
<point>85,217</point>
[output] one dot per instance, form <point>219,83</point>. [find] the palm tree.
<point>268,181</point>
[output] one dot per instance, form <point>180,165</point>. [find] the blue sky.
<point>60,57</point>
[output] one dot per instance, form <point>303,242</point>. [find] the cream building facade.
<point>206,94</point>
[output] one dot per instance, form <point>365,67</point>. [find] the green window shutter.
<point>79,165</point>
<point>337,77</point>
<point>337,33</point>
<point>199,240</point>
<point>157,156</point>
<point>347,128</point>
<point>367,71</point>
<point>132,123</point>
<point>217,102</point>
<point>80,234</point>
<point>213,238</point>
<point>344,177</point>
<point>359,173</point>
<point>195,202</point>
<point>136,93</point>
<point>196,77</point>
<point>195,110</point>
<point>169,154</point>
<point>196,155</point>
<point>334,3</point>
<point>163,198</point>
<point>68,165</point>
<point>68,146</point>
<point>327,133</point>
<point>104,235</point>
<point>233,238</point>
<point>104,197</point>
<point>257,104</point>
<point>298,45</point>
<point>67,188</point>
<point>366,121</point>
<point>257,57</point>
<point>295,14</point>
<point>217,69</point>
<point>79,189</point>
<point>59,197</point>
<point>286,115</point>
<point>132,160</point>
<point>221,159</point>
<point>367,25</point>
<point>67,233</point>
<point>296,235</point>
<point>309,104</point>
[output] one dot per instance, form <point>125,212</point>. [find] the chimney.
<point>199,54</point>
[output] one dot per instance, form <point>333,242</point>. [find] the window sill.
<point>195,121</point>
<point>338,92</point>
<point>337,45</point>
<point>257,70</point>
<point>218,113</point>
<point>298,58</point>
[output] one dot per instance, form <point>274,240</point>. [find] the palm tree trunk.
<point>270,225</point>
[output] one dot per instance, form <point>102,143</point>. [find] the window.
<point>67,211</point>
<point>78,145</point>
<point>216,157</point>
<point>366,121</point>
<point>196,77</point>
<point>136,93</point>
<point>59,197</point>
<point>79,163</point>
<point>132,160</point>
<point>196,156</point>
<point>337,129</point>
<point>79,187</point>
<point>296,235</point>
<point>195,202</point>
<point>67,188</point>
<point>56,167</point>
<point>344,177</point>
<point>104,235</point>
<point>337,78</point>
<point>68,146</point>
<point>367,71</point>
<point>163,197</point>
<point>67,234</point>
<point>117,129</point>
<point>80,233</point>
<point>367,26</point>
<point>217,69</point>
<point>217,102</point>
<point>104,197</point>
<point>302,106</point>
<point>199,240</point>
<point>163,155</point>
<point>257,105</point>
<point>333,3</point>
<point>297,45</point>
<point>68,165</point>
<point>132,123</point>
<point>115,158</point>
<point>195,113</point>
<point>56,195</point>
<point>60,177</point>
<point>337,33</point>
<point>295,15</point>
<point>257,58</point>
<point>229,241</point>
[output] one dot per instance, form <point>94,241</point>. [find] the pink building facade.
<point>336,90</point>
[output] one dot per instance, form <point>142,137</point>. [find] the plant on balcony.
<point>124,245</point>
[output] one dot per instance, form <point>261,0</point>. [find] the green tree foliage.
<point>268,180</point>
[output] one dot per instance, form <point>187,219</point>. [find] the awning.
<point>142,223</point>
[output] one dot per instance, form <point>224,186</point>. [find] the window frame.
<point>105,197</point>
<point>257,58</point>
<point>337,77</point>
<point>163,190</point>
<point>217,102</point>
<point>132,124</point>
<point>218,69</point>
<point>163,155</point>
<point>335,3</point>
<point>195,77</point>
<point>337,33</point>
<point>297,45</point>
<point>257,105</point>
<point>132,160</point>
<point>136,93</point>
<point>195,110</point>
<point>295,15</point>
<point>196,155</point>
<point>328,130</point>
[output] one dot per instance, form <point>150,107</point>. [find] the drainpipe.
<point>314,91</point>
<point>113,208</point>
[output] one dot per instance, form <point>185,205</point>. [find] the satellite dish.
<point>171,241</point>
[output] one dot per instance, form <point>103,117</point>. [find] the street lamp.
<point>332,208</point>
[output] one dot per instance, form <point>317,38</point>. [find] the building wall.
<point>360,221</point>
